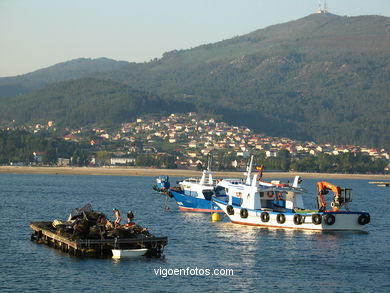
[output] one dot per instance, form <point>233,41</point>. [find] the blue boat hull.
<point>193,204</point>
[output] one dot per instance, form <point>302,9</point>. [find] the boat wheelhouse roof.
<point>234,180</point>
<point>197,181</point>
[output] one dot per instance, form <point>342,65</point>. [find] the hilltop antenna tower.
<point>322,7</point>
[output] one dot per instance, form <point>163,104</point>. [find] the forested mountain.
<point>85,101</point>
<point>16,85</point>
<point>323,77</point>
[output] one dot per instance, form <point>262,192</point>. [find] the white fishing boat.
<point>279,205</point>
<point>124,253</point>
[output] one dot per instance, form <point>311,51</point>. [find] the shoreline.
<point>152,172</point>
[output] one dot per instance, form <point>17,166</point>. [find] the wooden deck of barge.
<point>45,233</point>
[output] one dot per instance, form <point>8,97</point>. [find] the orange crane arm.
<point>327,186</point>
<point>323,188</point>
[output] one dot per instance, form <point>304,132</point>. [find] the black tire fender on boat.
<point>230,210</point>
<point>330,219</point>
<point>281,218</point>
<point>264,217</point>
<point>316,219</point>
<point>244,213</point>
<point>364,219</point>
<point>298,219</point>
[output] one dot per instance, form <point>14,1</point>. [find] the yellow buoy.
<point>215,217</point>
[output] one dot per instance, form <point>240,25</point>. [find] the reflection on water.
<point>263,259</point>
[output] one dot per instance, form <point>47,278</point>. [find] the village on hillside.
<point>188,140</point>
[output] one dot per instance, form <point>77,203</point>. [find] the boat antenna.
<point>249,170</point>
<point>207,172</point>
<point>209,162</point>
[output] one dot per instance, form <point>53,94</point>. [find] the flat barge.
<point>89,233</point>
<point>45,233</point>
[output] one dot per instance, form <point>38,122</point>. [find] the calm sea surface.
<point>261,259</point>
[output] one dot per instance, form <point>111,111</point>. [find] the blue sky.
<point>38,33</point>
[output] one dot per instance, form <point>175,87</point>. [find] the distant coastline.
<point>134,171</point>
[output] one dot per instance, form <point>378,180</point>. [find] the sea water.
<point>201,255</point>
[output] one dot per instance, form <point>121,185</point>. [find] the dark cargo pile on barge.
<point>89,233</point>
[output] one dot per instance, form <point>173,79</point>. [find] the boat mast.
<point>249,171</point>
<point>207,172</point>
<point>209,169</point>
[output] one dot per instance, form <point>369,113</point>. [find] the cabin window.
<point>191,193</point>
<point>219,190</point>
<point>265,203</point>
<point>237,201</point>
<point>208,194</point>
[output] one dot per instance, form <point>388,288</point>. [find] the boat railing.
<point>234,180</point>
<point>198,181</point>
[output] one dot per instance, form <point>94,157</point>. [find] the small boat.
<point>162,184</point>
<point>380,183</point>
<point>279,205</point>
<point>124,253</point>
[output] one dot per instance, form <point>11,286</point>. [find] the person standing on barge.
<point>130,218</point>
<point>117,222</point>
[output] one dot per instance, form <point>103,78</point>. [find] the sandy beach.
<point>134,171</point>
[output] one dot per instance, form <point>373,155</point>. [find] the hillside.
<point>323,77</point>
<point>16,85</point>
<point>315,34</point>
<point>86,101</point>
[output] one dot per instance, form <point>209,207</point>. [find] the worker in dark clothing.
<point>130,217</point>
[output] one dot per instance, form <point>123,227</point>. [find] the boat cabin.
<point>162,182</point>
<point>260,195</point>
<point>202,188</point>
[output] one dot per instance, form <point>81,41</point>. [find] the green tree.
<point>50,157</point>
<point>80,158</point>
<point>284,159</point>
<point>102,158</point>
